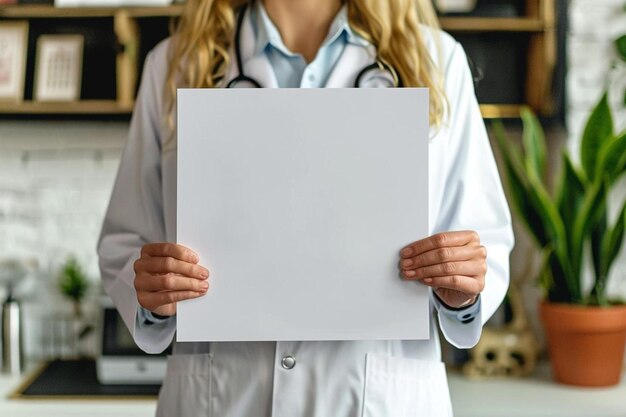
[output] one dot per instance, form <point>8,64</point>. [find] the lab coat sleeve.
<point>474,200</point>
<point>135,215</point>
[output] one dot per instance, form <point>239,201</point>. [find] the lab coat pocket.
<point>186,390</point>
<point>402,387</point>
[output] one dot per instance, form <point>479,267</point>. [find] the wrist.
<point>158,316</point>
<point>467,304</point>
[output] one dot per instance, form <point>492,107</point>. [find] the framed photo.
<point>58,67</point>
<point>455,6</point>
<point>13,47</point>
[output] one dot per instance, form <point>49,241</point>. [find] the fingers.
<point>170,265</point>
<point>167,273</point>
<point>460,283</point>
<point>169,282</point>
<point>443,255</point>
<point>440,240</point>
<point>170,250</point>
<point>453,263</point>
<point>467,268</point>
<point>154,300</point>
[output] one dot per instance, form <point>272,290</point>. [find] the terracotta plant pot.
<point>586,344</point>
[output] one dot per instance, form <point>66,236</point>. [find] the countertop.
<point>81,407</point>
<point>536,396</point>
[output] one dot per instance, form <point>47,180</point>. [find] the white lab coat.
<point>330,379</point>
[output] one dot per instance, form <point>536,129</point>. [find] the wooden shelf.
<point>500,111</point>
<point>41,11</point>
<point>470,24</point>
<point>538,26</point>
<point>491,24</point>
<point>75,107</point>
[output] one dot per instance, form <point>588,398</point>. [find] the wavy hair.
<point>202,37</point>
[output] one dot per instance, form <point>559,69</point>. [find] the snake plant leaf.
<point>593,204</point>
<point>560,289</point>
<point>534,143</point>
<point>555,229</point>
<point>544,266</point>
<point>612,158</point>
<point>598,130</point>
<point>612,242</point>
<point>552,278</point>
<point>598,232</point>
<point>570,191</point>
<point>620,44</point>
<point>517,185</point>
<point>538,211</point>
<point>620,166</point>
<point>531,201</point>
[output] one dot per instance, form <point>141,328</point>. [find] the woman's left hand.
<point>454,264</point>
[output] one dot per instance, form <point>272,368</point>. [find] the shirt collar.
<point>267,33</point>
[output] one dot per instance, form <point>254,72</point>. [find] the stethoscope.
<point>376,70</point>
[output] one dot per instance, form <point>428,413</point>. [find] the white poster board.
<point>299,201</point>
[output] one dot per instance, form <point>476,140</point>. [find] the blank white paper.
<point>299,201</point>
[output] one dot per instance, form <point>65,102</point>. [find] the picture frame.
<point>455,6</point>
<point>13,51</point>
<point>58,68</point>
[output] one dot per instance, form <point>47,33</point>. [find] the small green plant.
<point>73,283</point>
<point>574,216</point>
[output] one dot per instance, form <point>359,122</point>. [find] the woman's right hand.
<point>167,273</point>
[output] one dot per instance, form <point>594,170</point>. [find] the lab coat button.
<point>288,362</point>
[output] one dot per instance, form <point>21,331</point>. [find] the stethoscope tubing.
<point>378,65</point>
<point>241,77</point>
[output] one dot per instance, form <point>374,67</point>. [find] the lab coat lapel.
<point>353,59</point>
<point>256,67</point>
<point>260,69</point>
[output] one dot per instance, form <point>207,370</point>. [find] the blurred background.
<point>68,76</point>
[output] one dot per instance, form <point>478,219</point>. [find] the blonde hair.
<point>203,35</point>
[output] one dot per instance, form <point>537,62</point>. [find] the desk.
<point>537,397</point>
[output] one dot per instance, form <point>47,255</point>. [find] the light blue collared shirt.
<point>291,69</point>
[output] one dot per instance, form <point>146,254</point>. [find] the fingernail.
<point>195,258</point>
<point>204,286</point>
<point>427,280</point>
<point>407,262</point>
<point>410,273</point>
<point>204,274</point>
<point>406,251</point>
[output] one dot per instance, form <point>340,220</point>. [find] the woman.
<point>308,43</point>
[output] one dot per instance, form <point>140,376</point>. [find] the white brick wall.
<point>55,181</point>
<point>592,60</point>
<point>593,66</point>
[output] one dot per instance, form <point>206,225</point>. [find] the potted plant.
<point>73,284</point>
<point>586,331</point>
